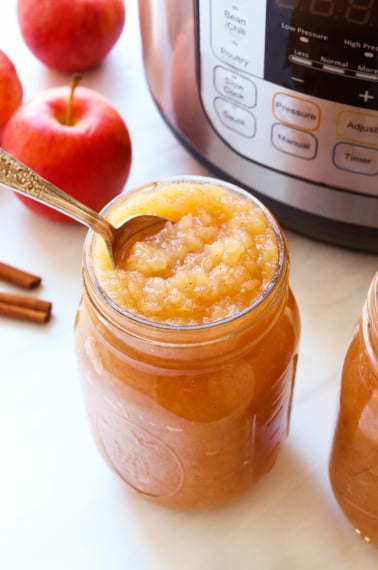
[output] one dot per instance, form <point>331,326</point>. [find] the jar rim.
<point>195,179</point>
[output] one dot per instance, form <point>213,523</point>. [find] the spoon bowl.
<point>20,178</point>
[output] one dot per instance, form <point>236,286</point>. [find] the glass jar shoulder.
<point>359,373</point>
<point>276,332</point>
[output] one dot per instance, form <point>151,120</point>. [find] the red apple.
<point>76,140</point>
<point>70,35</point>
<point>11,91</point>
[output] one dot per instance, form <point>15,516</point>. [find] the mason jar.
<point>189,414</point>
<point>353,467</point>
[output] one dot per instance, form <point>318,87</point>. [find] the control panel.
<point>293,85</point>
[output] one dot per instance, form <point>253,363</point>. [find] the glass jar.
<point>189,416</point>
<point>354,456</point>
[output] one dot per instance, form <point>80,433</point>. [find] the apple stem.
<point>76,78</point>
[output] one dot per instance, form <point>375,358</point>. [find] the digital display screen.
<point>355,13</point>
<point>326,48</point>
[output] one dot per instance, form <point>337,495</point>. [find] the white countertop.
<point>60,506</point>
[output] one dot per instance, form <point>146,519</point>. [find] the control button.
<point>296,79</point>
<point>236,118</point>
<point>235,54</point>
<point>366,96</point>
<point>296,111</point>
<point>234,21</point>
<point>358,127</point>
<point>356,158</point>
<point>293,141</point>
<point>235,87</point>
<point>232,18</point>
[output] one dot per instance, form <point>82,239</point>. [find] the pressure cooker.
<point>280,97</point>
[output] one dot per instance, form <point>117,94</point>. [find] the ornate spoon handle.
<point>15,175</point>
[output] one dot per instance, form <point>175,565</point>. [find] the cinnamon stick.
<point>27,302</point>
<point>25,308</point>
<point>19,277</point>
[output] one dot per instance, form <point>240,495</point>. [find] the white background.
<point>60,506</point>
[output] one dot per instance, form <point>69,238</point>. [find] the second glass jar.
<point>353,467</point>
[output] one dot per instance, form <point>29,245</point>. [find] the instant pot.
<point>280,97</point>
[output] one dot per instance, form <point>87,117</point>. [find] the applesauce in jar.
<point>187,350</point>
<point>353,465</point>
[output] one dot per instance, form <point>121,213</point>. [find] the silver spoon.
<point>15,175</point>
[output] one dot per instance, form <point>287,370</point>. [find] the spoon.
<point>15,175</point>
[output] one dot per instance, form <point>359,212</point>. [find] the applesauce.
<point>354,457</point>
<point>187,350</point>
